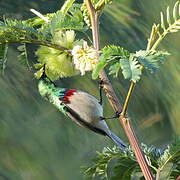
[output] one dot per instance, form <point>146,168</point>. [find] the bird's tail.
<point>118,141</point>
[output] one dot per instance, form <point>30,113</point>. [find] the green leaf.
<point>165,173</point>
<point>19,31</point>
<point>100,66</point>
<point>71,20</point>
<point>110,51</point>
<point>36,21</point>
<point>38,65</point>
<point>175,26</point>
<point>114,164</point>
<point>23,57</point>
<point>13,31</point>
<point>169,160</point>
<point>151,60</point>
<point>39,73</point>
<point>110,54</point>
<point>160,31</point>
<point>3,56</point>
<point>130,69</point>
<point>121,167</point>
<point>66,6</point>
<point>114,69</point>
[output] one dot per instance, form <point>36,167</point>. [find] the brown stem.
<point>125,122</point>
<point>110,94</point>
<point>94,23</point>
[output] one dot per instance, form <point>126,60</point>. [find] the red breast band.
<point>68,94</point>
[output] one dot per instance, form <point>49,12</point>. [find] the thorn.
<point>39,15</point>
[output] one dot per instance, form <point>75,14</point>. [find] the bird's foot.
<point>116,115</point>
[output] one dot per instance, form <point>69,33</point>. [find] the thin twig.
<point>39,15</point>
<point>126,103</point>
<point>158,174</point>
<point>37,42</point>
<point>107,87</point>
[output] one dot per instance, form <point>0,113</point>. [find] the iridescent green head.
<point>45,87</point>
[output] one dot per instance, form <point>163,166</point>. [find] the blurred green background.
<point>39,143</point>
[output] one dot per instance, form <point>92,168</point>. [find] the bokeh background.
<point>39,143</point>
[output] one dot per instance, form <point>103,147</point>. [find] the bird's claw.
<point>117,114</point>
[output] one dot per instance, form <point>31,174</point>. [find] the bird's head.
<point>45,87</point>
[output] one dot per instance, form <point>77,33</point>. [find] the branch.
<point>126,103</point>
<point>126,123</point>
<point>36,42</point>
<point>107,87</point>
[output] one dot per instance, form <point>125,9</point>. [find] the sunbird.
<point>80,106</point>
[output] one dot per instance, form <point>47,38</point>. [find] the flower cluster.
<point>84,57</point>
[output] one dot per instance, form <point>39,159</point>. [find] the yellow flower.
<point>84,57</point>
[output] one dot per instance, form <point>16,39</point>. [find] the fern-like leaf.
<point>100,66</point>
<point>121,167</point>
<point>36,21</point>
<point>131,69</point>
<point>170,23</point>
<point>108,162</point>
<point>151,60</point>
<point>110,54</point>
<point>23,57</point>
<point>18,31</point>
<point>169,160</point>
<point>14,31</point>
<point>3,57</point>
<point>114,164</point>
<point>73,19</point>
<point>114,69</point>
<point>109,51</point>
<point>172,27</point>
<point>66,6</point>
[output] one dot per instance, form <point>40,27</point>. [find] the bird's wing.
<point>74,116</point>
<point>66,100</point>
